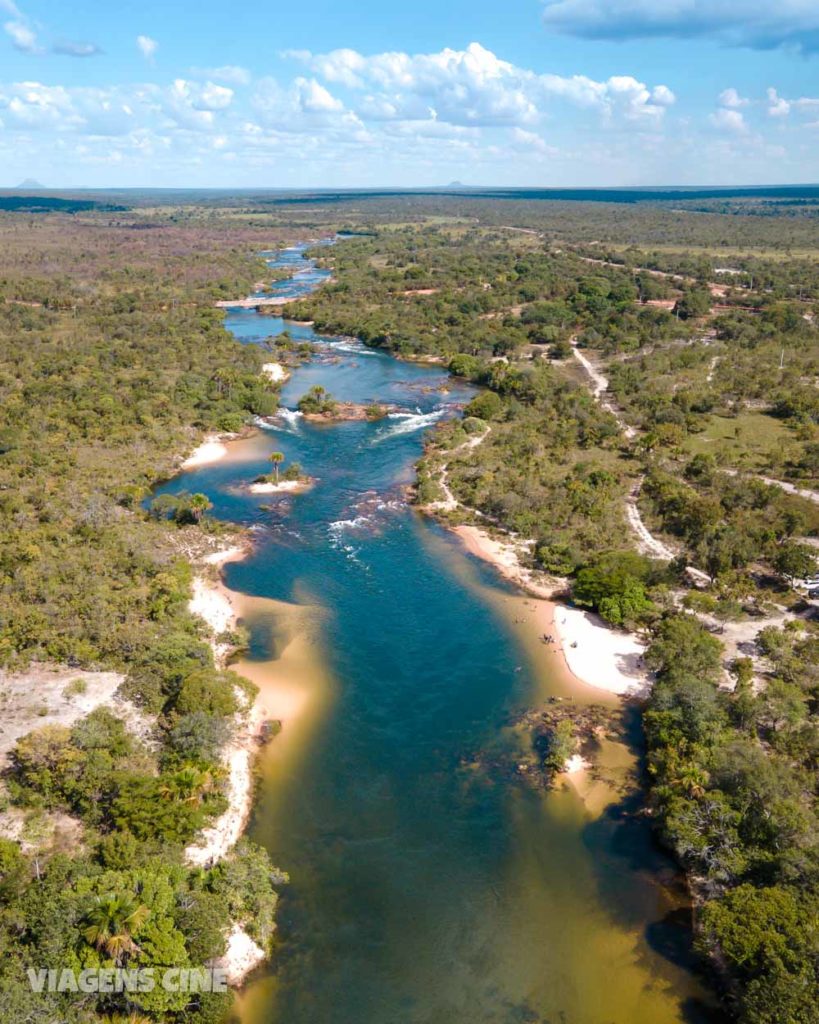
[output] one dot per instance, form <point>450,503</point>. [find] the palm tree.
<point>225,380</point>
<point>277,458</point>
<point>111,922</point>
<point>198,505</point>
<point>187,786</point>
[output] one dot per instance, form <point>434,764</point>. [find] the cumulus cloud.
<point>193,105</point>
<point>529,140</point>
<point>94,112</point>
<point>115,110</point>
<point>730,121</point>
<point>147,46</point>
<point>732,99</point>
<point>304,105</point>
<point>755,23</point>
<point>24,36</point>
<point>474,87</point>
<point>777,105</point>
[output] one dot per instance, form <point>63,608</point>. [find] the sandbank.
<point>210,450</point>
<point>282,487</point>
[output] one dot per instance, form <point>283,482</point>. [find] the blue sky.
<point>342,93</point>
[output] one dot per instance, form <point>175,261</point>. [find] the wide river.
<point>424,889</point>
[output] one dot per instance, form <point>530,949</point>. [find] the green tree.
<point>112,921</point>
<point>795,561</point>
<point>277,458</point>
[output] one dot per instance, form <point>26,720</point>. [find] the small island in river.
<point>318,406</point>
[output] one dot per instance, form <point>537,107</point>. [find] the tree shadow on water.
<point>638,881</point>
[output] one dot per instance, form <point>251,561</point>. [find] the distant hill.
<point>29,183</point>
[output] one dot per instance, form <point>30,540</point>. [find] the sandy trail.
<point>647,543</point>
<point>450,503</point>
<point>783,485</point>
<point>600,387</point>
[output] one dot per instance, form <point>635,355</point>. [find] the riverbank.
<point>212,449</point>
<point>214,603</point>
<point>595,654</point>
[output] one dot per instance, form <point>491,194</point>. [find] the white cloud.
<point>754,23</point>
<point>530,140</point>
<point>777,105</point>
<point>303,106</point>
<point>34,105</point>
<point>193,105</point>
<point>474,87</point>
<point>147,46</point>
<point>732,99</point>
<point>314,98</point>
<point>396,118</point>
<point>729,121</point>
<point>231,73</point>
<point>105,111</point>
<point>23,37</point>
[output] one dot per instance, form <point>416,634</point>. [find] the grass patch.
<point>745,440</point>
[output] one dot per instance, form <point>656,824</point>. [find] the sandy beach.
<point>283,697</point>
<point>241,956</point>
<point>505,555</point>
<point>598,656</point>
<point>216,605</point>
<point>210,450</point>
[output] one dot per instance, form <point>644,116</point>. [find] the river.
<point>424,890</point>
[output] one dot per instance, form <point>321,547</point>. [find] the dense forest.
<point>648,360</point>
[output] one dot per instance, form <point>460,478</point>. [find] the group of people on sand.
<point>548,638</point>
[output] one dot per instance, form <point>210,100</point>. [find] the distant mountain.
<point>29,183</point>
